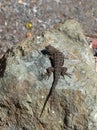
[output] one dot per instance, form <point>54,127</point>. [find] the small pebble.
<point>42,97</point>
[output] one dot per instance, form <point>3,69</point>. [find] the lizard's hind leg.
<point>64,72</point>
<point>49,70</point>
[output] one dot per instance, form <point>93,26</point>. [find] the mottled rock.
<point>23,91</point>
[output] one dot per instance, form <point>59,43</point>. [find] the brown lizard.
<point>57,60</point>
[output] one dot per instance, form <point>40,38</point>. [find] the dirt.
<point>42,14</point>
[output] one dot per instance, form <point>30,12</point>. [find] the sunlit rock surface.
<point>23,91</point>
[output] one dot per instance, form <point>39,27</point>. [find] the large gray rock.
<point>23,91</point>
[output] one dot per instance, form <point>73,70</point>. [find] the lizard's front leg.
<point>64,72</point>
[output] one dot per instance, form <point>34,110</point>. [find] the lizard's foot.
<point>68,74</point>
<point>64,72</point>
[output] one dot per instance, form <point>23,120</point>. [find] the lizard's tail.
<point>48,96</point>
<point>45,103</point>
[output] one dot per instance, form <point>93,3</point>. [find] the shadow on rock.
<point>2,65</point>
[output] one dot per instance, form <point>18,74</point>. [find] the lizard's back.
<point>58,59</point>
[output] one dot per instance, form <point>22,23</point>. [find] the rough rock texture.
<point>23,91</point>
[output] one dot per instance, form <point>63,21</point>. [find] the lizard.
<point>57,61</point>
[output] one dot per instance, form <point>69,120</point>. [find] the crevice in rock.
<point>3,61</point>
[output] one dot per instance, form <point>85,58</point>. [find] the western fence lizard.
<point>57,60</point>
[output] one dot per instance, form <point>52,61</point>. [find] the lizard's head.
<point>50,49</point>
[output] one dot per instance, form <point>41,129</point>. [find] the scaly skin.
<point>57,60</point>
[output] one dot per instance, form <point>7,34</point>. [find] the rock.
<point>23,91</point>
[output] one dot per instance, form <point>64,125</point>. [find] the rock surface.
<point>23,91</point>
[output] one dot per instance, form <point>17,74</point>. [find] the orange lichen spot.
<point>29,35</point>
